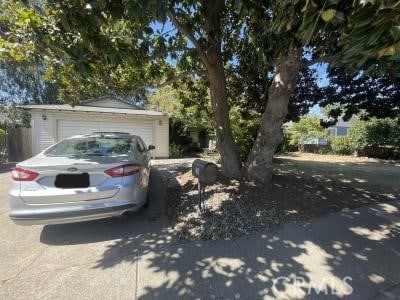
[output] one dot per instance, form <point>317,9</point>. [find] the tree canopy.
<point>251,54</point>
<point>365,95</point>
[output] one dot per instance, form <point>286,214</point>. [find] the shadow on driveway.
<point>6,167</point>
<point>350,255</point>
<point>146,221</point>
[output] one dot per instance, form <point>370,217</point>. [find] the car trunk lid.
<point>64,179</point>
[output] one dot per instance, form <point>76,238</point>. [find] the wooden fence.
<point>19,144</point>
<point>3,148</point>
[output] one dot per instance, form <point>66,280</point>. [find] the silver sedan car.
<point>81,178</point>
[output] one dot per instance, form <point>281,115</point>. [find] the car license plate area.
<point>70,181</point>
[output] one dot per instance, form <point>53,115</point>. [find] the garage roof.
<point>78,108</point>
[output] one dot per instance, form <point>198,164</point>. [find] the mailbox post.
<point>206,173</point>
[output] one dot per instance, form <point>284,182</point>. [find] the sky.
<point>322,81</point>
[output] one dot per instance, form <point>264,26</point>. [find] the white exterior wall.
<point>45,132</point>
<point>108,102</point>
<point>162,137</point>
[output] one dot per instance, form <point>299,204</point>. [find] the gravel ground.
<point>226,213</point>
<point>235,208</point>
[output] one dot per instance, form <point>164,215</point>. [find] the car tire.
<point>146,204</point>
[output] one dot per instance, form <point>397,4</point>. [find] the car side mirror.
<point>151,147</point>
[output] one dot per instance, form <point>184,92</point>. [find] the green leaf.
<point>328,14</point>
<point>375,36</point>
<point>64,23</point>
<point>308,28</point>
<point>238,5</point>
<point>395,32</point>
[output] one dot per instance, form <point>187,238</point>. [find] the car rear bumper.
<point>61,216</point>
<point>43,210</point>
<point>23,213</point>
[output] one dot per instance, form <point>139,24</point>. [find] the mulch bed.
<point>235,208</point>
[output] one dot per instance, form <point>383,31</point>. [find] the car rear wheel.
<point>146,204</point>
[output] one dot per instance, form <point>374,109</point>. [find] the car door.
<point>146,153</point>
<point>143,158</point>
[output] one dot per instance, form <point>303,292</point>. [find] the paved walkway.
<point>139,257</point>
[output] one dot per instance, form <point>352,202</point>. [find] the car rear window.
<point>96,146</point>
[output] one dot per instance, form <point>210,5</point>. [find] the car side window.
<point>142,145</point>
<point>135,150</point>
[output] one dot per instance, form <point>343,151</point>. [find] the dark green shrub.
<point>307,128</point>
<point>2,134</point>
<point>378,138</point>
<point>286,145</point>
<point>175,151</point>
<point>341,145</point>
<point>244,131</point>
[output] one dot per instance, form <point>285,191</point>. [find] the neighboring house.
<point>341,128</point>
<point>52,123</point>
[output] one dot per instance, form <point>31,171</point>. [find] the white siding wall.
<point>162,137</point>
<point>45,133</point>
<point>109,103</point>
<point>68,127</point>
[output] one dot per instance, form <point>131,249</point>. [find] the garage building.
<point>52,123</point>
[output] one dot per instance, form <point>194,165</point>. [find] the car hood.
<point>43,161</point>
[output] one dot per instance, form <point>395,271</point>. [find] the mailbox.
<point>205,171</point>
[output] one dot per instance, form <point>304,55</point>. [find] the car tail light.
<point>19,174</point>
<point>124,170</point>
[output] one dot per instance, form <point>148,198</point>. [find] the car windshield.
<point>93,146</point>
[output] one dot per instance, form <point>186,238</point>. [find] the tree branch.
<point>187,32</point>
<point>161,53</point>
<point>179,77</point>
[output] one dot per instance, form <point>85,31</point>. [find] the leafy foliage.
<point>354,34</point>
<point>361,94</point>
<point>88,49</point>
<point>22,83</point>
<point>376,137</point>
<point>186,103</point>
<point>341,145</point>
<point>175,151</point>
<point>286,145</point>
<point>188,106</point>
<point>305,129</point>
<point>248,89</point>
<point>14,117</point>
<point>244,131</point>
<point>113,47</point>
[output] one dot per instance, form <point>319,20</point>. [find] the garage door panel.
<point>67,128</point>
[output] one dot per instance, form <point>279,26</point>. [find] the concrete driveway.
<point>137,257</point>
<point>96,259</point>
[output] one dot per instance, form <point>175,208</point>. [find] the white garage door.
<point>67,128</point>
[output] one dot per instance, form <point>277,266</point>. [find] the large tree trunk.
<point>226,146</point>
<point>211,56</point>
<point>259,161</point>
